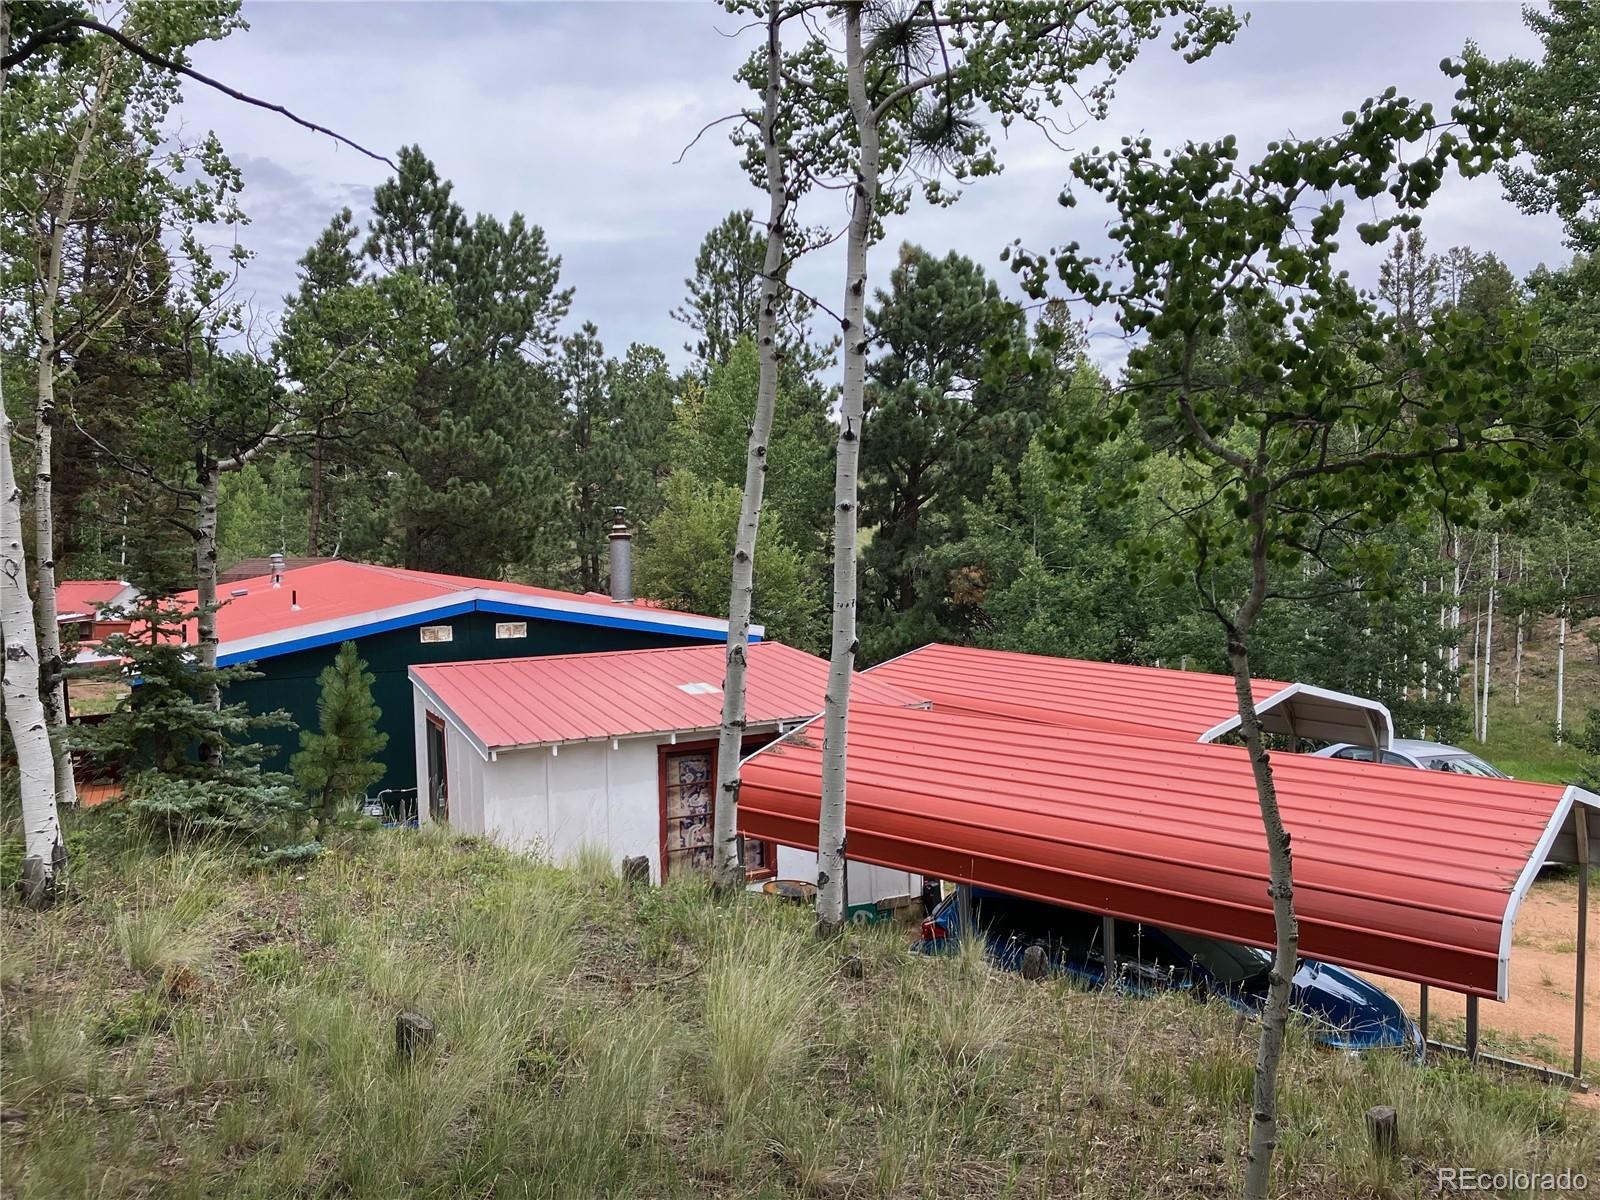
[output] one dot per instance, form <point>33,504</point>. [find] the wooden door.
<point>438,772</point>
<point>689,784</point>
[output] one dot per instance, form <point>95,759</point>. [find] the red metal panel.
<point>1404,872</point>
<point>586,697</point>
<point>1065,691</point>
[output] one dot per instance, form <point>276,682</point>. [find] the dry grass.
<point>595,1039</point>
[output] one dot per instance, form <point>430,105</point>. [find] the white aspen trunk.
<point>209,479</point>
<point>47,351</point>
<point>1263,1139</point>
<point>1561,675</point>
<point>1488,639</point>
<point>831,813</point>
<point>1424,657</point>
<point>1477,630</point>
<point>728,872</point>
<point>44,856</point>
<point>1455,605</point>
<point>1516,674</point>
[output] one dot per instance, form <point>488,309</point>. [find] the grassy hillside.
<point>1522,736</point>
<point>189,1027</point>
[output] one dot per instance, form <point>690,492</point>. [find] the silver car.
<point>1410,752</point>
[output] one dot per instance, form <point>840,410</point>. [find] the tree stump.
<point>636,870</point>
<point>413,1034</point>
<point>1383,1130</point>
<point>1035,962</point>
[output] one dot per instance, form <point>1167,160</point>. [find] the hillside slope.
<point>191,1028</point>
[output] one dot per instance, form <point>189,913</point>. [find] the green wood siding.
<point>289,681</point>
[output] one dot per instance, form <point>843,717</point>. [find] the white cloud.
<point>574,113</point>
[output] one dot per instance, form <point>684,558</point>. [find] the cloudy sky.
<point>573,114</point>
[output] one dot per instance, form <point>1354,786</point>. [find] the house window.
<point>438,633</point>
<point>688,810</point>
<point>511,629</point>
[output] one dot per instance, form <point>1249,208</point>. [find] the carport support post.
<point>1422,1017</point>
<point>964,912</point>
<point>1108,939</point>
<point>1581,822</point>
<point>1472,1028</point>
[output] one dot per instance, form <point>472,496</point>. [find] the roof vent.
<point>621,557</point>
<point>277,569</point>
<point>240,592</point>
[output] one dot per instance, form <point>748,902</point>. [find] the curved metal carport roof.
<point>1155,701</point>
<point>1415,874</point>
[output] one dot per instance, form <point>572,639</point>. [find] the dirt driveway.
<point>1535,1024</point>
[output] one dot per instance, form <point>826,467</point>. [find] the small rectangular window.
<point>511,629</point>
<point>438,633</point>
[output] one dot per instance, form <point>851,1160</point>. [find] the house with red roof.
<point>81,606</point>
<point>288,624</point>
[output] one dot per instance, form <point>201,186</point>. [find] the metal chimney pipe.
<point>277,569</point>
<point>621,557</point>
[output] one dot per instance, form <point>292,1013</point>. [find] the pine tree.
<point>190,768</point>
<point>337,765</point>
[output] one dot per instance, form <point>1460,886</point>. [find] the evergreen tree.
<point>466,439</point>
<point>335,766</point>
<point>190,768</point>
<point>955,397</point>
<point>617,415</point>
<point>724,296</point>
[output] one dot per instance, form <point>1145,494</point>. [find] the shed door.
<point>438,772</point>
<point>690,782</point>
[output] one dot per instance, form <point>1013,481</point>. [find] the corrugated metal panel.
<point>586,697</point>
<point>1406,872</point>
<point>1066,691</point>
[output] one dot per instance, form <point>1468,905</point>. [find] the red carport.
<point>1415,874</point>
<point>1189,705</point>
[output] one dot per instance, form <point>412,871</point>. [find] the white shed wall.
<point>465,767</point>
<point>552,804</point>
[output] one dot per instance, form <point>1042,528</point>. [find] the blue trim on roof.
<point>333,637</point>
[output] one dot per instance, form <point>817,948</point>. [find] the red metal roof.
<point>82,597</point>
<point>1068,691</point>
<point>1412,873</point>
<point>588,697</point>
<point>321,603</point>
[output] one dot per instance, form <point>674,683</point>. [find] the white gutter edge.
<point>1305,689</point>
<point>1530,871</point>
<point>634,736</point>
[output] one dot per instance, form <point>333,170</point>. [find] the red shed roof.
<point>1188,705</point>
<point>1416,874</point>
<point>331,601</point>
<point>552,699</point>
<point>78,598</point>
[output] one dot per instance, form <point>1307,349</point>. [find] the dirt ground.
<point>1535,1024</point>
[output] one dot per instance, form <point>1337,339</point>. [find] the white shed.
<point>617,750</point>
